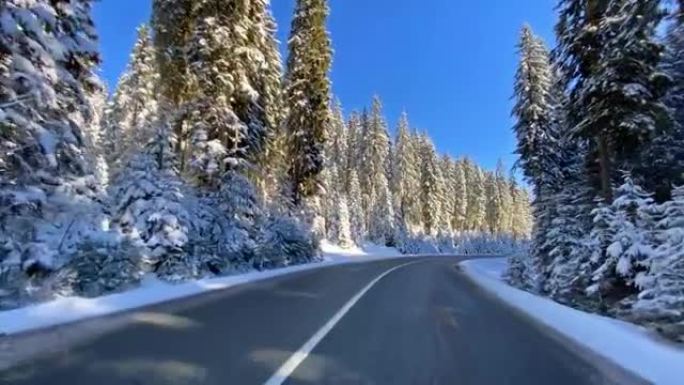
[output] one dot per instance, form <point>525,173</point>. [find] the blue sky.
<point>448,63</point>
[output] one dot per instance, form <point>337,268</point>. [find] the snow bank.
<point>627,345</point>
<point>369,251</point>
<point>152,291</point>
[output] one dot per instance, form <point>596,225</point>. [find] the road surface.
<point>420,324</point>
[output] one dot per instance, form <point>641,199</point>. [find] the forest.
<point>601,141</point>
<point>212,156</point>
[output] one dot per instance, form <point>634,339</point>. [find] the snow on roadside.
<point>332,252</point>
<point>627,345</point>
<point>153,291</point>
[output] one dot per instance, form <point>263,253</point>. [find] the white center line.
<point>300,355</point>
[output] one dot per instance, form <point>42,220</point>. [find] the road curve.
<point>421,324</point>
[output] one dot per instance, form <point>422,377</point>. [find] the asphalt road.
<point>421,324</point>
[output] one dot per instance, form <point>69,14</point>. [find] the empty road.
<point>397,322</point>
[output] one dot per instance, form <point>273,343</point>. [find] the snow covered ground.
<point>627,345</point>
<point>152,291</point>
<point>334,253</point>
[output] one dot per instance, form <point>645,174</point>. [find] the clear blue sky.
<point>448,63</point>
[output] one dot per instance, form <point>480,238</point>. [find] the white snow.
<point>369,251</point>
<point>627,345</point>
<point>152,291</point>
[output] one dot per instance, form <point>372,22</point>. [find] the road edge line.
<point>293,362</point>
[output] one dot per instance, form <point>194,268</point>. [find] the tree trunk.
<point>605,168</point>
<point>180,143</point>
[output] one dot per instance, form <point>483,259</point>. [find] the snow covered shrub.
<point>338,220</point>
<point>660,303</point>
<point>40,227</point>
<point>488,244</point>
<point>99,267</point>
<point>519,271</point>
<point>632,244</point>
<point>408,243</point>
<point>445,242</point>
<point>568,251</point>
<point>12,286</point>
<point>149,211</point>
<point>285,241</point>
<point>242,210</point>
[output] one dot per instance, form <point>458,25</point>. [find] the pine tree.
<point>240,204</point>
<point>381,227</point>
<point>356,214</point>
<point>95,137</point>
<point>493,203</point>
<point>430,186</point>
<point>335,177</point>
<point>218,134</point>
<point>172,22</point>
<point>344,230</point>
<point>560,277</point>
<point>307,96</point>
<point>134,107</point>
<point>405,176</point>
<point>220,70</point>
<point>522,217</point>
<point>600,238</point>
<point>518,272</point>
<point>447,193</point>
<point>662,160</point>
<point>504,216</point>
<point>48,54</point>
<point>568,200</point>
<point>537,129</point>
<point>475,216</point>
<point>661,300</point>
<point>265,72</point>
<point>373,176</point>
<point>263,63</point>
<point>149,210</point>
<point>337,151</point>
<point>460,196</point>
<point>354,141</point>
<point>615,92</point>
<point>632,245</point>
<point>534,107</point>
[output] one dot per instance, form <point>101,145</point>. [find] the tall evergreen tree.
<point>405,175</point>
<point>537,130</point>
<point>173,22</point>
<point>356,215</point>
<point>505,211</point>
<point>373,175</point>
<point>354,139</point>
<point>49,54</point>
<point>133,110</point>
<point>662,161</point>
<point>337,151</point>
<point>534,107</point>
<point>447,193</point>
<point>430,186</point>
<point>476,207</point>
<point>220,70</point>
<point>307,96</point>
<point>609,54</point>
<point>460,197</point>
<point>266,73</point>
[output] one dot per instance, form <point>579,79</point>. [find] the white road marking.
<point>300,355</point>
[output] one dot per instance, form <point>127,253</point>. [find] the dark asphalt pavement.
<point>423,324</point>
